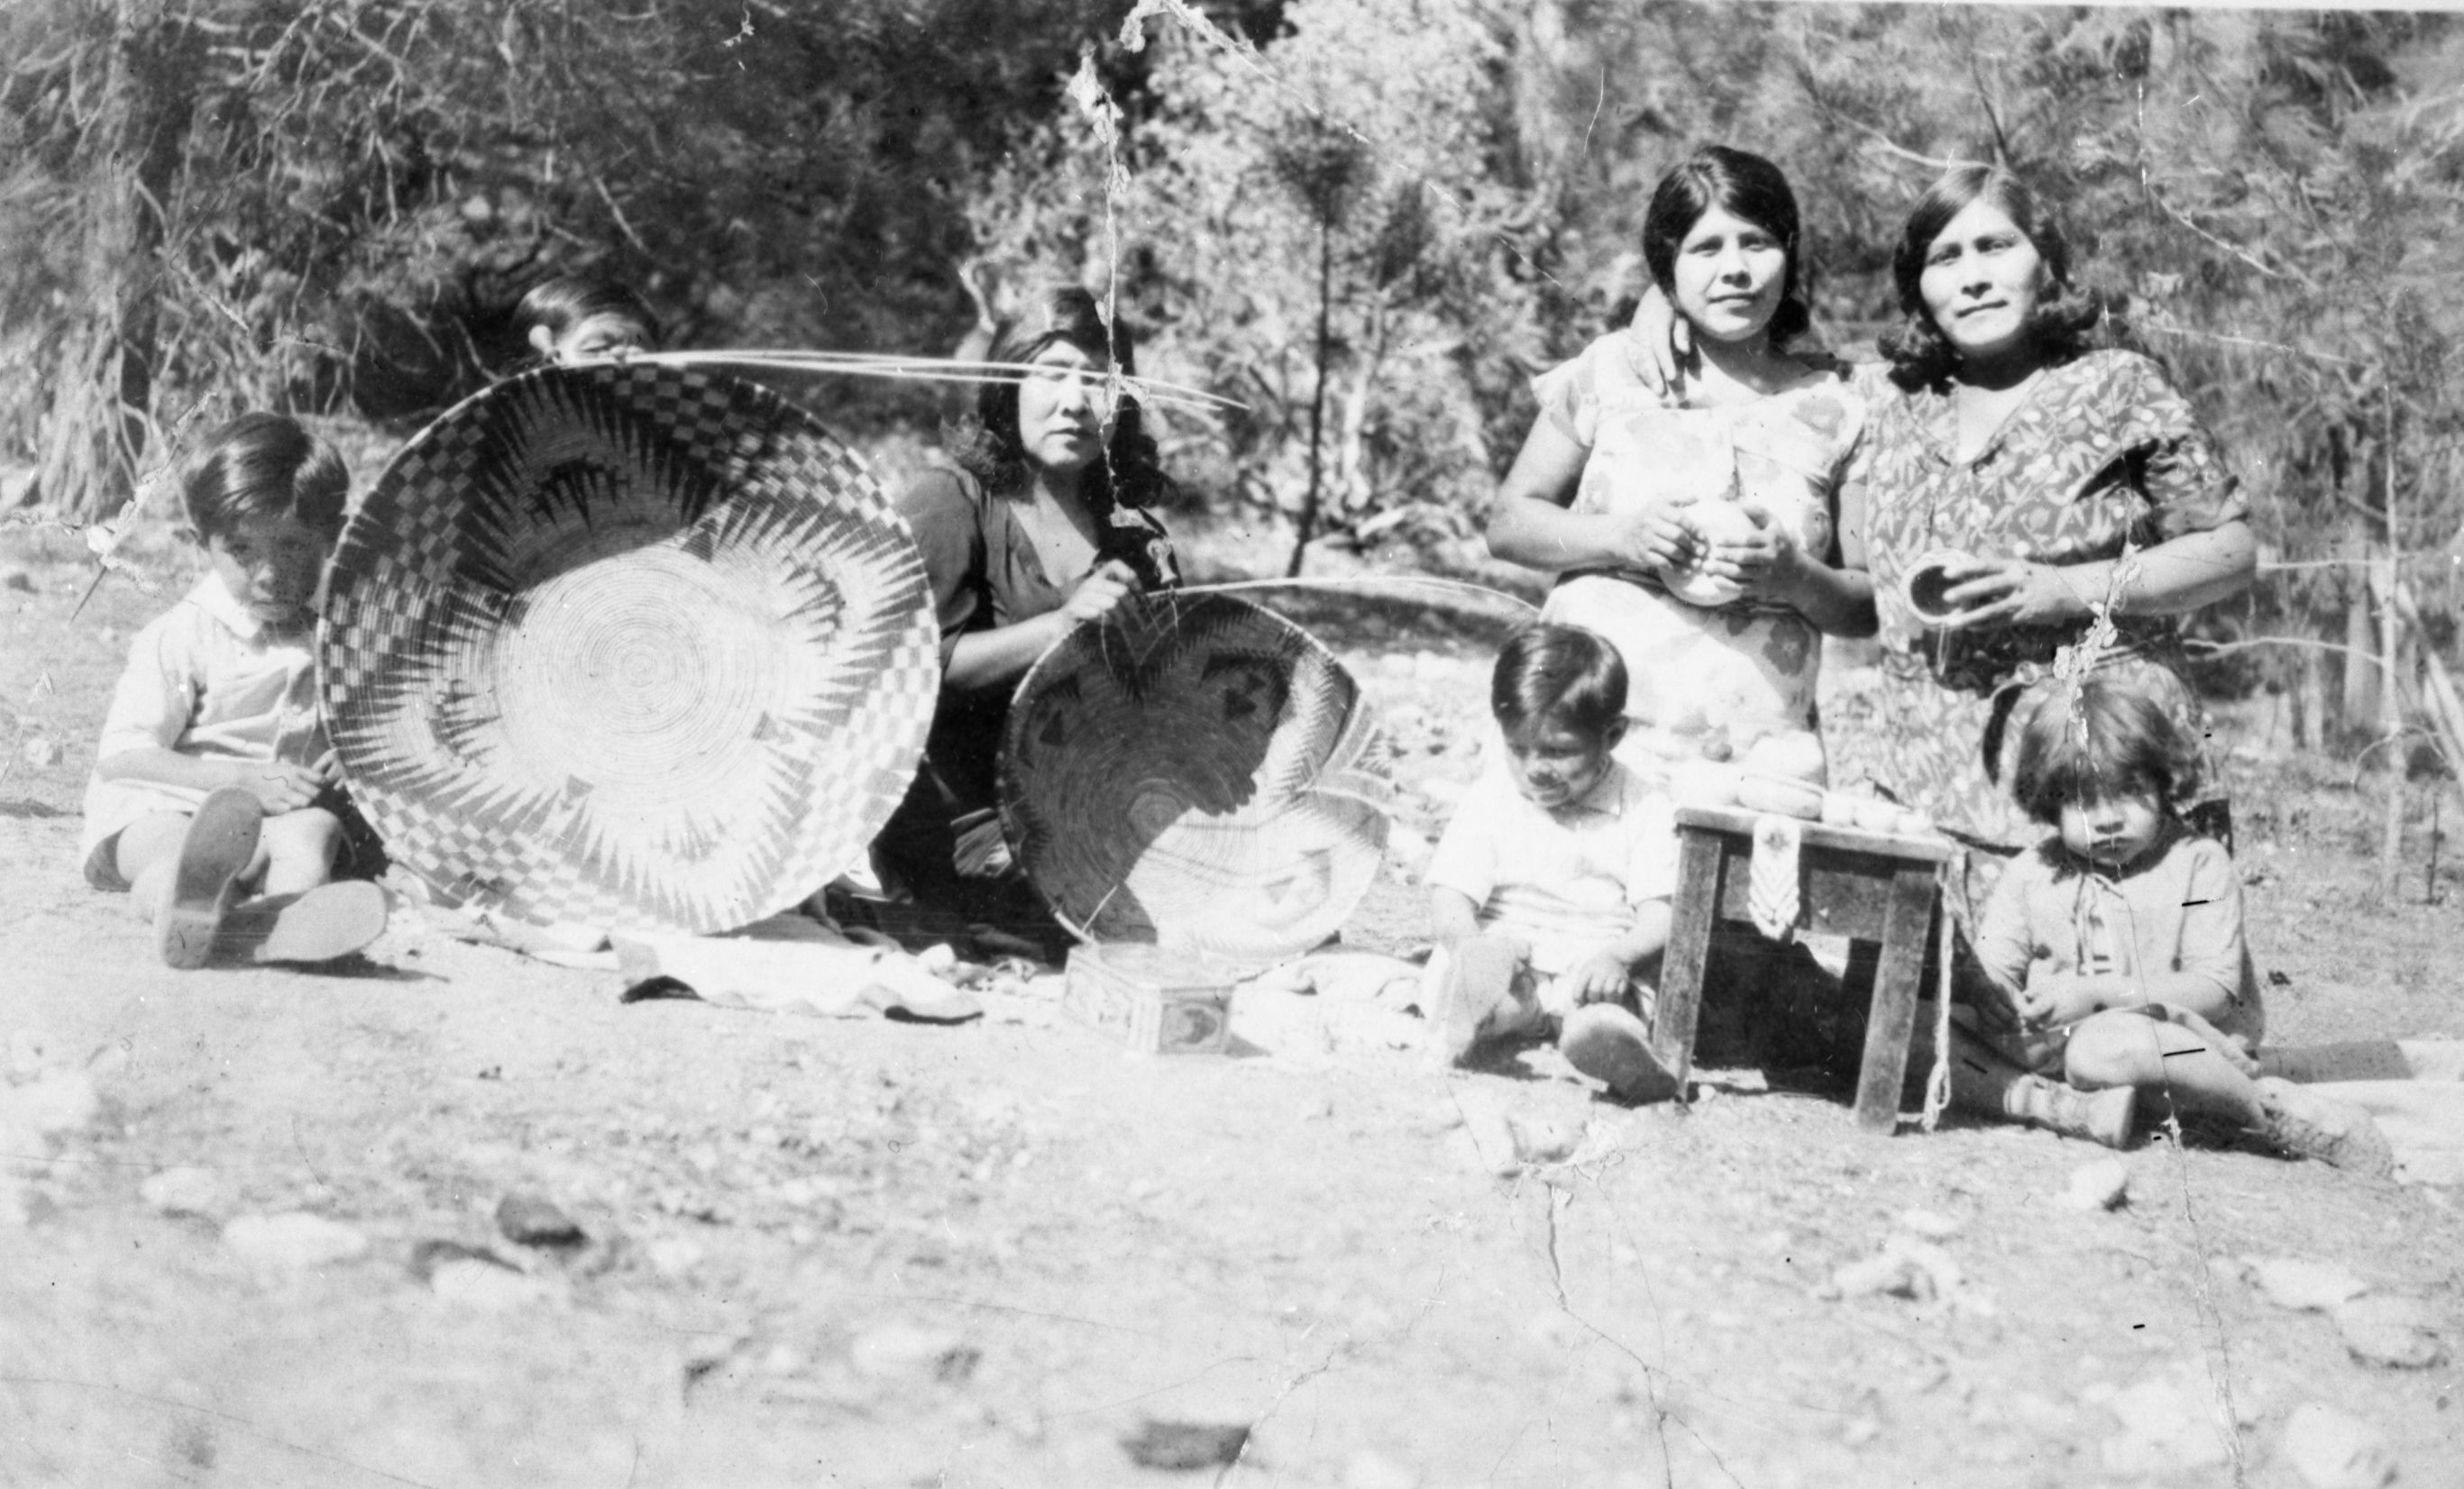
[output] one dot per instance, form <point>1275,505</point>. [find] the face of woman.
<point>1982,279</point>
<point>1728,277</point>
<point>1062,406</point>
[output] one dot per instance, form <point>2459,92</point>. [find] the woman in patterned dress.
<point>2080,505</point>
<point>1040,521</point>
<point>1696,529</point>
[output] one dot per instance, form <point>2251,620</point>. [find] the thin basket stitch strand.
<point>1199,772</point>
<point>630,647</point>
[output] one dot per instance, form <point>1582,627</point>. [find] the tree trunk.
<point>1307,527</point>
<point>2361,694</point>
<point>2311,716</point>
<point>95,426</point>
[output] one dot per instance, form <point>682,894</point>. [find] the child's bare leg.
<point>299,849</point>
<point>2119,1049</point>
<point>2159,1058</point>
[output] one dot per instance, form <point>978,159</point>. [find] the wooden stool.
<point>1868,885</point>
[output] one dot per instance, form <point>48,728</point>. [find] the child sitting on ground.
<point>213,771</point>
<point>1550,893</point>
<point>2116,948</point>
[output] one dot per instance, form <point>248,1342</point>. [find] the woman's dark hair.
<point>264,465</point>
<point>2107,739</point>
<point>567,300</point>
<point>1920,354</point>
<point>986,445</point>
<point>1743,186</point>
<point>1561,675</point>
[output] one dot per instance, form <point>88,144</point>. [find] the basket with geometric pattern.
<point>1197,773</point>
<point>627,645</point>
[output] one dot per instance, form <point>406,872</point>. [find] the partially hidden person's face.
<point>1063,405</point>
<point>1982,282</point>
<point>1728,277</point>
<point>270,565</point>
<point>1554,765</point>
<point>603,335</point>
<point>2114,831</point>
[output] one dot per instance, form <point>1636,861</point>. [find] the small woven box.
<point>1153,999</point>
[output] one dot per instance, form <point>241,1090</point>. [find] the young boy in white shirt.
<point>1550,893</point>
<point>213,774</point>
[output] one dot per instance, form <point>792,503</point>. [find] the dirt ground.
<point>865,1253</point>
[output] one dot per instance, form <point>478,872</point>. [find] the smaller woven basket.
<point>1195,773</point>
<point>630,647</point>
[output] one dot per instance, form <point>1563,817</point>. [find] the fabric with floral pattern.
<point>2103,452</point>
<point>1703,682</point>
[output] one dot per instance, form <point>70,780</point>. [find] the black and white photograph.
<point>1245,744</point>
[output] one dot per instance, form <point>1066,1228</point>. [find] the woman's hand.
<point>1657,537</point>
<point>1992,594</point>
<point>1766,563</point>
<point>1101,591</point>
<point>1659,343</point>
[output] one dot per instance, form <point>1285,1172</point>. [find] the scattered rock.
<point>529,1220</point>
<point>1185,1445</point>
<point>1543,1139</point>
<point>1916,1270</point>
<point>2101,1184</point>
<point>41,753</point>
<point>1367,1469</point>
<point>485,1283</point>
<point>63,1100</point>
<point>1489,1139</point>
<point>1932,1225</point>
<point>903,1351</point>
<point>2331,1450</point>
<point>2168,1424</point>
<point>296,1239</point>
<point>19,580</point>
<point>2305,1285</point>
<point>1861,1429</point>
<point>2396,1332</point>
<point>182,1191</point>
<point>673,1256</point>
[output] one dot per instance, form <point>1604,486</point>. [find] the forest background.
<point>1365,222</point>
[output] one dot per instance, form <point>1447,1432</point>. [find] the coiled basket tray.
<point>1197,773</point>
<point>627,645</point>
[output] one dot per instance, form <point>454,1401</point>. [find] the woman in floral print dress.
<point>2066,481</point>
<point>1620,489</point>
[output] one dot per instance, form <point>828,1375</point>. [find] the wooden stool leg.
<point>1699,867</point>
<point>1893,1019</point>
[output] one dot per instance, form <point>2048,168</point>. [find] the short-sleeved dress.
<point>942,843</point>
<point>1703,682</point>
<point>2102,453</point>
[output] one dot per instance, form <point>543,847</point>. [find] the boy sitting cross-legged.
<point>1548,894</point>
<point>213,773</point>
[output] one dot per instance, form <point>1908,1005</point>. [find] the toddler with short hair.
<point>2116,948</point>
<point>1549,892</point>
<point>213,773</point>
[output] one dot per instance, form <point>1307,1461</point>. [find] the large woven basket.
<point>627,645</point>
<point>1200,774</point>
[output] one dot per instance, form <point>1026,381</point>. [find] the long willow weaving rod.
<point>1355,580</point>
<point>919,369</point>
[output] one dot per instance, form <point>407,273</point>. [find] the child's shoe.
<point>1607,1042</point>
<point>2310,1125</point>
<point>1475,995</point>
<point>314,926</point>
<point>220,843</point>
